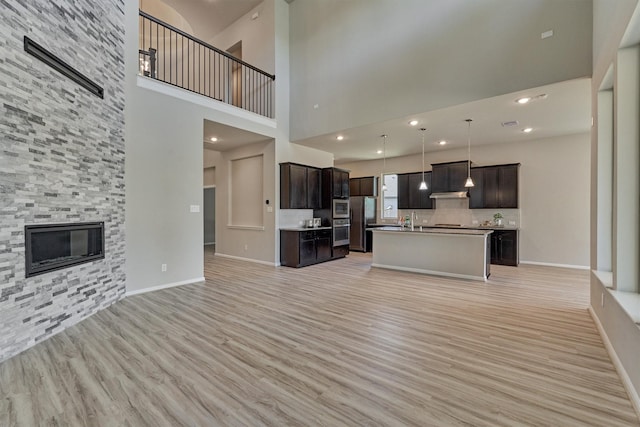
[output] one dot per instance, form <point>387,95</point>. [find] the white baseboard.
<point>257,261</point>
<point>552,264</point>
<point>622,373</point>
<point>168,285</point>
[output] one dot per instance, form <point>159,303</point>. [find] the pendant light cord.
<point>423,129</point>
<point>469,148</point>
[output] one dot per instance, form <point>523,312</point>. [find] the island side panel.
<point>456,255</point>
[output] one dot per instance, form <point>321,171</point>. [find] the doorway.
<point>209,215</point>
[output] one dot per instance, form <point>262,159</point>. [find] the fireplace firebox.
<point>51,247</point>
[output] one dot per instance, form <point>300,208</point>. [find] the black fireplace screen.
<point>55,246</point>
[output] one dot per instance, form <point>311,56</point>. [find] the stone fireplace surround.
<point>61,161</point>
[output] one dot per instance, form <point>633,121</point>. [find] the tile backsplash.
<point>294,217</point>
<point>456,211</point>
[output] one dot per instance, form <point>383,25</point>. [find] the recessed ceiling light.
<point>523,100</point>
<point>527,130</point>
<point>339,137</point>
<point>379,152</point>
<point>443,142</point>
<point>214,139</point>
<point>413,122</point>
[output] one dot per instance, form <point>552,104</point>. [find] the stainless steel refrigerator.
<point>363,212</point>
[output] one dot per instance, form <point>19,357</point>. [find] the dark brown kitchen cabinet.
<point>302,248</point>
<point>447,177</point>
<point>495,187</point>
<point>476,193</point>
<point>364,186</point>
<point>335,185</point>
<point>300,186</point>
<point>409,194</point>
<point>504,247</point>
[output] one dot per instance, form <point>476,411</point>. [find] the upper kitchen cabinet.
<point>365,186</point>
<point>495,187</point>
<point>447,177</point>
<point>409,194</point>
<point>335,185</point>
<point>300,186</point>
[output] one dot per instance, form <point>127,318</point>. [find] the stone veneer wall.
<point>61,160</point>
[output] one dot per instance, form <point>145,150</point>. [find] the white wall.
<point>164,172</point>
<point>611,21</point>
<point>257,36</point>
<point>554,191</point>
<point>363,64</point>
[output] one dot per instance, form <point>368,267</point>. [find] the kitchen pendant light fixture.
<point>384,160</point>
<point>423,184</point>
<point>469,182</point>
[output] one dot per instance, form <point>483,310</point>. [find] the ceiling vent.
<point>510,124</point>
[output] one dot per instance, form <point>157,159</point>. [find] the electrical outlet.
<point>424,221</point>
<point>163,267</point>
<point>512,223</point>
<point>474,222</point>
<point>194,208</point>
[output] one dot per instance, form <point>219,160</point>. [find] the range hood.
<point>450,195</point>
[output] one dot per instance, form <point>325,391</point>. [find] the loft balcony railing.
<point>175,57</point>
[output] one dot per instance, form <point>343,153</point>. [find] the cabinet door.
<point>509,247</point>
<point>344,184</point>
<point>368,186</point>
<point>415,195</point>
<point>440,178</point>
<point>476,193</point>
<point>403,191</point>
<point>504,247</point>
<point>508,186</point>
<point>323,245</point>
<point>425,195</point>
<point>457,176</point>
<point>307,249</point>
<point>314,184</point>
<point>354,186</point>
<point>293,186</point>
<point>490,188</point>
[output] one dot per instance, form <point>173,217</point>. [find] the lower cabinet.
<point>300,248</point>
<point>504,247</point>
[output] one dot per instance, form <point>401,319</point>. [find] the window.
<point>389,195</point>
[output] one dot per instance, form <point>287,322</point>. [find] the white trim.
<point>209,243</point>
<point>185,95</point>
<point>168,285</point>
<point>435,273</point>
<point>246,227</point>
<point>209,186</point>
<point>271,264</point>
<point>553,264</point>
<point>622,373</point>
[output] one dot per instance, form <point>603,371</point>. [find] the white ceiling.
<point>228,137</point>
<point>565,110</point>
<point>209,17</point>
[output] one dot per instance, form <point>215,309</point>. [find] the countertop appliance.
<point>363,213</point>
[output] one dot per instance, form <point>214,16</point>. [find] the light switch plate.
<point>194,208</point>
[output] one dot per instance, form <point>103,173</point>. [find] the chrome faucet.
<point>414,218</point>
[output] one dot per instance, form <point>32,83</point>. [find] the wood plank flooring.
<point>334,344</point>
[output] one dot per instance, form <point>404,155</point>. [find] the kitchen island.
<point>462,253</point>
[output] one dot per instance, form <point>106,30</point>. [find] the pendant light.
<point>384,160</point>
<point>423,184</point>
<point>469,182</point>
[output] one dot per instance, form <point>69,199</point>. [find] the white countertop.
<point>303,228</point>
<point>464,227</point>
<point>425,230</point>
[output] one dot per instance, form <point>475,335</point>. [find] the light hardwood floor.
<point>333,344</point>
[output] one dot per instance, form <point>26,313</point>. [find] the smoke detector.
<point>510,124</point>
